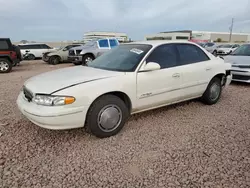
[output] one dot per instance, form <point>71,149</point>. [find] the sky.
<point>58,20</point>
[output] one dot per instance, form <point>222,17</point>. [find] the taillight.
<point>13,55</point>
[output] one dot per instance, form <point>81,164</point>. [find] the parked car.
<point>91,50</point>
<point>128,79</point>
<point>35,50</point>
<point>240,60</point>
<point>8,55</point>
<point>211,47</point>
<point>226,49</point>
<point>59,55</point>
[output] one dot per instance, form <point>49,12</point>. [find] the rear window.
<point>4,45</point>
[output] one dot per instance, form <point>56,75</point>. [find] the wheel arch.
<point>123,96</point>
<point>89,53</point>
<point>221,76</point>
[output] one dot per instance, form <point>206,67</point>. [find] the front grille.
<point>71,52</point>
<point>240,77</point>
<point>78,52</point>
<point>28,95</point>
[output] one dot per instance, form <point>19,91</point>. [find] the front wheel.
<point>5,66</point>
<point>87,58</point>
<point>106,116</point>
<point>54,60</point>
<point>214,53</point>
<point>213,92</point>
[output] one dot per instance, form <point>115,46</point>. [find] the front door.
<point>159,87</point>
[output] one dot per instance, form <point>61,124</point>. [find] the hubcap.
<point>88,59</point>
<point>214,91</point>
<point>3,66</point>
<point>109,118</point>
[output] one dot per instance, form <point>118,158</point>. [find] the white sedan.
<point>128,79</point>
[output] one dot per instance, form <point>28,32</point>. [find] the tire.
<point>214,53</point>
<point>54,60</point>
<point>31,57</point>
<point>98,121</point>
<point>213,92</point>
<point>5,66</point>
<point>87,58</point>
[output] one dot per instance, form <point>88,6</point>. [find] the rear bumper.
<point>228,78</point>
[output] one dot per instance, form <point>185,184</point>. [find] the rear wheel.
<point>106,116</point>
<point>31,57</point>
<point>213,92</point>
<point>5,66</point>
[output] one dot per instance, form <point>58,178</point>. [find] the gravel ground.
<point>185,145</point>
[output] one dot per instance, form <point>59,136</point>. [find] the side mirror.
<point>150,66</point>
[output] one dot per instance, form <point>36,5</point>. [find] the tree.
<point>219,40</point>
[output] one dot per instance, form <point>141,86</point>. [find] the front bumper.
<point>241,75</point>
<point>74,59</point>
<point>52,117</point>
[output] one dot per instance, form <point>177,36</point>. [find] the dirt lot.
<point>186,145</point>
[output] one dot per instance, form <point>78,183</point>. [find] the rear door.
<point>196,70</point>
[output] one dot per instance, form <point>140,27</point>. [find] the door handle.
<point>208,68</point>
<point>176,75</point>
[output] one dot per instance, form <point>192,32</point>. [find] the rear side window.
<point>210,44</point>
<point>165,55</point>
<point>4,45</point>
<point>44,46</point>
<point>189,53</point>
<point>103,43</point>
<point>31,46</point>
<point>113,43</point>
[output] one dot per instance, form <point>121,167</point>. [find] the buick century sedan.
<point>128,79</point>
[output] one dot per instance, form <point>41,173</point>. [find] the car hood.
<point>239,60</point>
<point>52,81</point>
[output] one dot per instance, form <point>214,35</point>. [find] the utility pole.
<point>231,30</point>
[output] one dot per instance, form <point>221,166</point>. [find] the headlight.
<point>50,100</point>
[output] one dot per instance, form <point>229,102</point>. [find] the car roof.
<point>160,42</point>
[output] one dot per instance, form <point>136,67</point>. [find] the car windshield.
<point>124,58</point>
<point>226,46</point>
<point>243,50</point>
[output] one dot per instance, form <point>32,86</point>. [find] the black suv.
<point>9,55</point>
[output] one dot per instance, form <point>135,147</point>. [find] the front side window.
<point>164,55</point>
<point>103,43</point>
<point>189,53</point>
<point>124,58</point>
<point>113,43</point>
